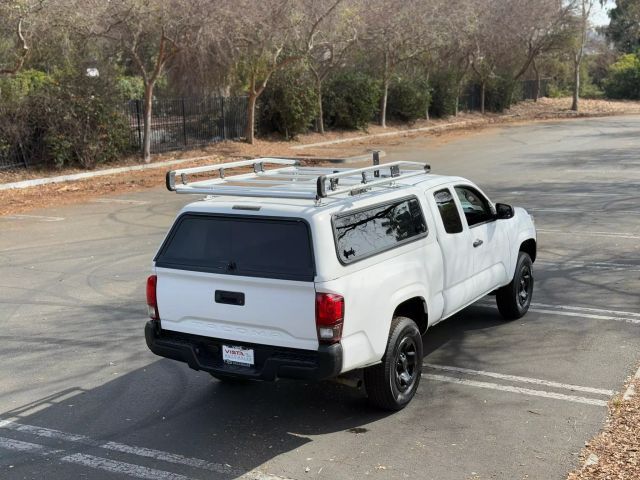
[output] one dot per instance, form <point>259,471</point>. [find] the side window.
<point>475,206</point>
<point>363,233</point>
<point>448,211</point>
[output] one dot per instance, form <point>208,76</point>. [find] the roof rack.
<point>290,180</point>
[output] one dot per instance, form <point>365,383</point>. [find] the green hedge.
<point>623,80</point>
<point>63,119</point>
<point>408,99</point>
<point>444,95</point>
<point>351,100</point>
<point>289,104</point>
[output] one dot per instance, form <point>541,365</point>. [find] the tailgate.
<point>242,278</point>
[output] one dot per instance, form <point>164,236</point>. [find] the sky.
<point>599,16</point>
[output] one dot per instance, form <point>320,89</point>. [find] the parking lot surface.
<point>82,397</point>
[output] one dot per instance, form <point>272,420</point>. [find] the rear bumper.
<point>204,353</point>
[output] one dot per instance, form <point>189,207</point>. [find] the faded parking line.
<point>516,378</point>
<point>119,467</point>
<point>42,218</point>
<point>629,235</point>
<point>512,389</point>
<point>124,201</point>
<point>614,266</point>
<point>573,211</point>
<point>580,312</point>
<point>136,471</point>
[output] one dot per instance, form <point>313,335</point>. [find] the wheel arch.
<point>529,246</point>
<point>414,308</point>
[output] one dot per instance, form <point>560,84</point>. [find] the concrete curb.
<point>631,389</point>
<point>114,171</point>
<point>435,128</point>
<point>82,176</point>
<point>355,159</point>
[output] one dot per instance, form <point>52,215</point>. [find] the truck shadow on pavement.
<point>167,407</point>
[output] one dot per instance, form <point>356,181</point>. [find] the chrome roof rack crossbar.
<point>256,163</point>
<point>289,180</point>
<point>394,174</point>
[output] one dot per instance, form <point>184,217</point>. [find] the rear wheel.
<point>514,299</point>
<point>392,384</point>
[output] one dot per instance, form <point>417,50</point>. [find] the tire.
<point>514,299</point>
<point>391,385</point>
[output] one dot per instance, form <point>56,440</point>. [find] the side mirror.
<point>504,211</point>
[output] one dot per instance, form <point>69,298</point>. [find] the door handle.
<point>230,298</point>
<point>477,243</point>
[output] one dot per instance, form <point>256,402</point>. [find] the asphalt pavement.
<point>82,397</point>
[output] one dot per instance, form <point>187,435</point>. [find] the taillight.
<point>152,301</point>
<point>329,317</point>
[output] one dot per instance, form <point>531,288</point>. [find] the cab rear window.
<point>365,232</point>
<point>239,245</point>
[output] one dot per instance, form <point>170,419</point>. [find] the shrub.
<point>501,92</point>
<point>408,99</point>
<point>623,80</point>
<point>129,87</point>
<point>444,95</point>
<point>351,100</point>
<point>22,84</point>
<point>69,120</point>
<point>289,104</point>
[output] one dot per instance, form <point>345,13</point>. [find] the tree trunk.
<point>146,136</point>
<point>385,93</point>
<point>426,112</point>
<point>576,85</point>
<point>320,118</point>
<point>383,104</point>
<point>536,85</point>
<point>251,115</point>
<point>483,88</point>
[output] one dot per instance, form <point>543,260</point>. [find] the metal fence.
<point>529,89</point>
<point>525,90</point>
<point>178,123</point>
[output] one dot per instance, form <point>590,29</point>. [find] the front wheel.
<point>392,383</point>
<point>514,299</point>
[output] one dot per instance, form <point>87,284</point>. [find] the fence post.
<point>376,162</point>
<point>138,123</point>
<point>224,121</point>
<point>184,124</point>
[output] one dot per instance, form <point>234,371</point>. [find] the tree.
<point>583,12</point>
<point>456,44</point>
<point>397,30</point>
<point>267,37</point>
<point>150,34</point>
<point>535,28</point>
<point>487,47</point>
<point>14,14</point>
<point>329,50</point>
<point>624,28</point>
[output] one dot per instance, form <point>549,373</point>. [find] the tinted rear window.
<point>362,233</point>
<point>248,246</point>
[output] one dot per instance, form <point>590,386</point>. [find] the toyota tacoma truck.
<point>285,271</point>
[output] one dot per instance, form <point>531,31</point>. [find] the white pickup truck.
<point>310,273</point>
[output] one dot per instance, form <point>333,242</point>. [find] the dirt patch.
<point>58,194</point>
<point>16,201</point>
<point>614,454</point>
